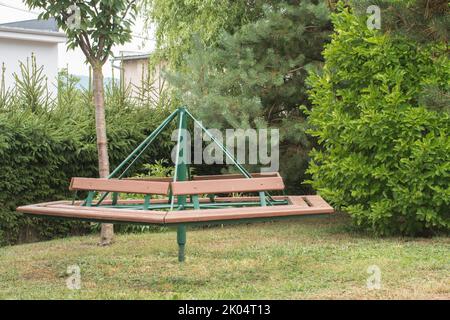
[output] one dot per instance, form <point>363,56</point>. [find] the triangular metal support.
<point>181,168</point>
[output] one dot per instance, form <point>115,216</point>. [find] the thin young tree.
<point>94,26</point>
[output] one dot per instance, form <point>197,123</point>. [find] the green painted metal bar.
<point>157,132</point>
<point>195,201</point>
<point>181,240</point>
<point>89,199</point>
<point>262,199</point>
<point>141,149</point>
<point>115,198</point>
<point>146,202</point>
<point>146,143</point>
<point>221,146</point>
<point>227,153</point>
<point>181,174</point>
<point>215,205</point>
<point>143,143</point>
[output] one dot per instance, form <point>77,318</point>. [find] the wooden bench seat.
<point>101,214</point>
<point>211,215</point>
<point>125,186</point>
<point>235,176</point>
<point>208,177</point>
<point>298,206</point>
<point>229,185</point>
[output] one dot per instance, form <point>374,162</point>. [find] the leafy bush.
<point>386,156</point>
<point>43,146</point>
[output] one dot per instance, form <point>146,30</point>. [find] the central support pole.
<point>182,174</point>
<point>181,239</point>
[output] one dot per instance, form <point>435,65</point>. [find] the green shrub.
<point>43,146</point>
<point>386,156</point>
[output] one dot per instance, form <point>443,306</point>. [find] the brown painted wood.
<point>102,214</point>
<point>114,185</point>
<point>162,179</point>
<point>235,176</point>
<point>190,216</point>
<point>227,186</point>
<point>209,177</point>
<point>297,201</point>
<point>314,205</point>
<point>317,201</point>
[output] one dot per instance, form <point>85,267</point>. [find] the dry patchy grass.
<point>312,258</point>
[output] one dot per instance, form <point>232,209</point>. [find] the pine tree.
<point>255,78</point>
<point>421,20</point>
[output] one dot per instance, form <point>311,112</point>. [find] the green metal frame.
<point>182,173</point>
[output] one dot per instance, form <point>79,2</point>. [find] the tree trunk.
<point>107,232</point>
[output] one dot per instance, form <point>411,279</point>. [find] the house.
<point>19,40</point>
<point>134,70</point>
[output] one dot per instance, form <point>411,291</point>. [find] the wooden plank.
<point>317,202</point>
<point>66,210</point>
<point>100,214</point>
<point>297,201</point>
<point>162,179</point>
<point>208,177</point>
<point>227,186</point>
<point>236,176</point>
<point>192,216</point>
<point>114,185</point>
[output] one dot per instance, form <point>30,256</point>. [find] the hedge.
<point>41,151</point>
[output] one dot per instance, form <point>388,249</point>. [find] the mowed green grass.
<point>310,258</point>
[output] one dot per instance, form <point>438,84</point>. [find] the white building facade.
<point>20,40</point>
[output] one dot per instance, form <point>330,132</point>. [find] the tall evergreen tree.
<point>421,20</point>
<point>255,77</point>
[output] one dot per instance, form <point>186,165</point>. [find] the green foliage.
<point>158,169</point>
<point>420,20</point>
<point>32,85</point>
<point>43,145</point>
<point>177,20</point>
<point>255,77</point>
<point>385,156</point>
<point>103,24</point>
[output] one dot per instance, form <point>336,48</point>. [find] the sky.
<point>16,10</point>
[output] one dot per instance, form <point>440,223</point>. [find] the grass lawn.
<point>312,258</point>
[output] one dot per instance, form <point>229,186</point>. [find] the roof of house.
<point>33,30</point>
<point>131,55</point>
<point>35,24</point>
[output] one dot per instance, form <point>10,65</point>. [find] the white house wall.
<point>12,51</point>
<point>135,70</point>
